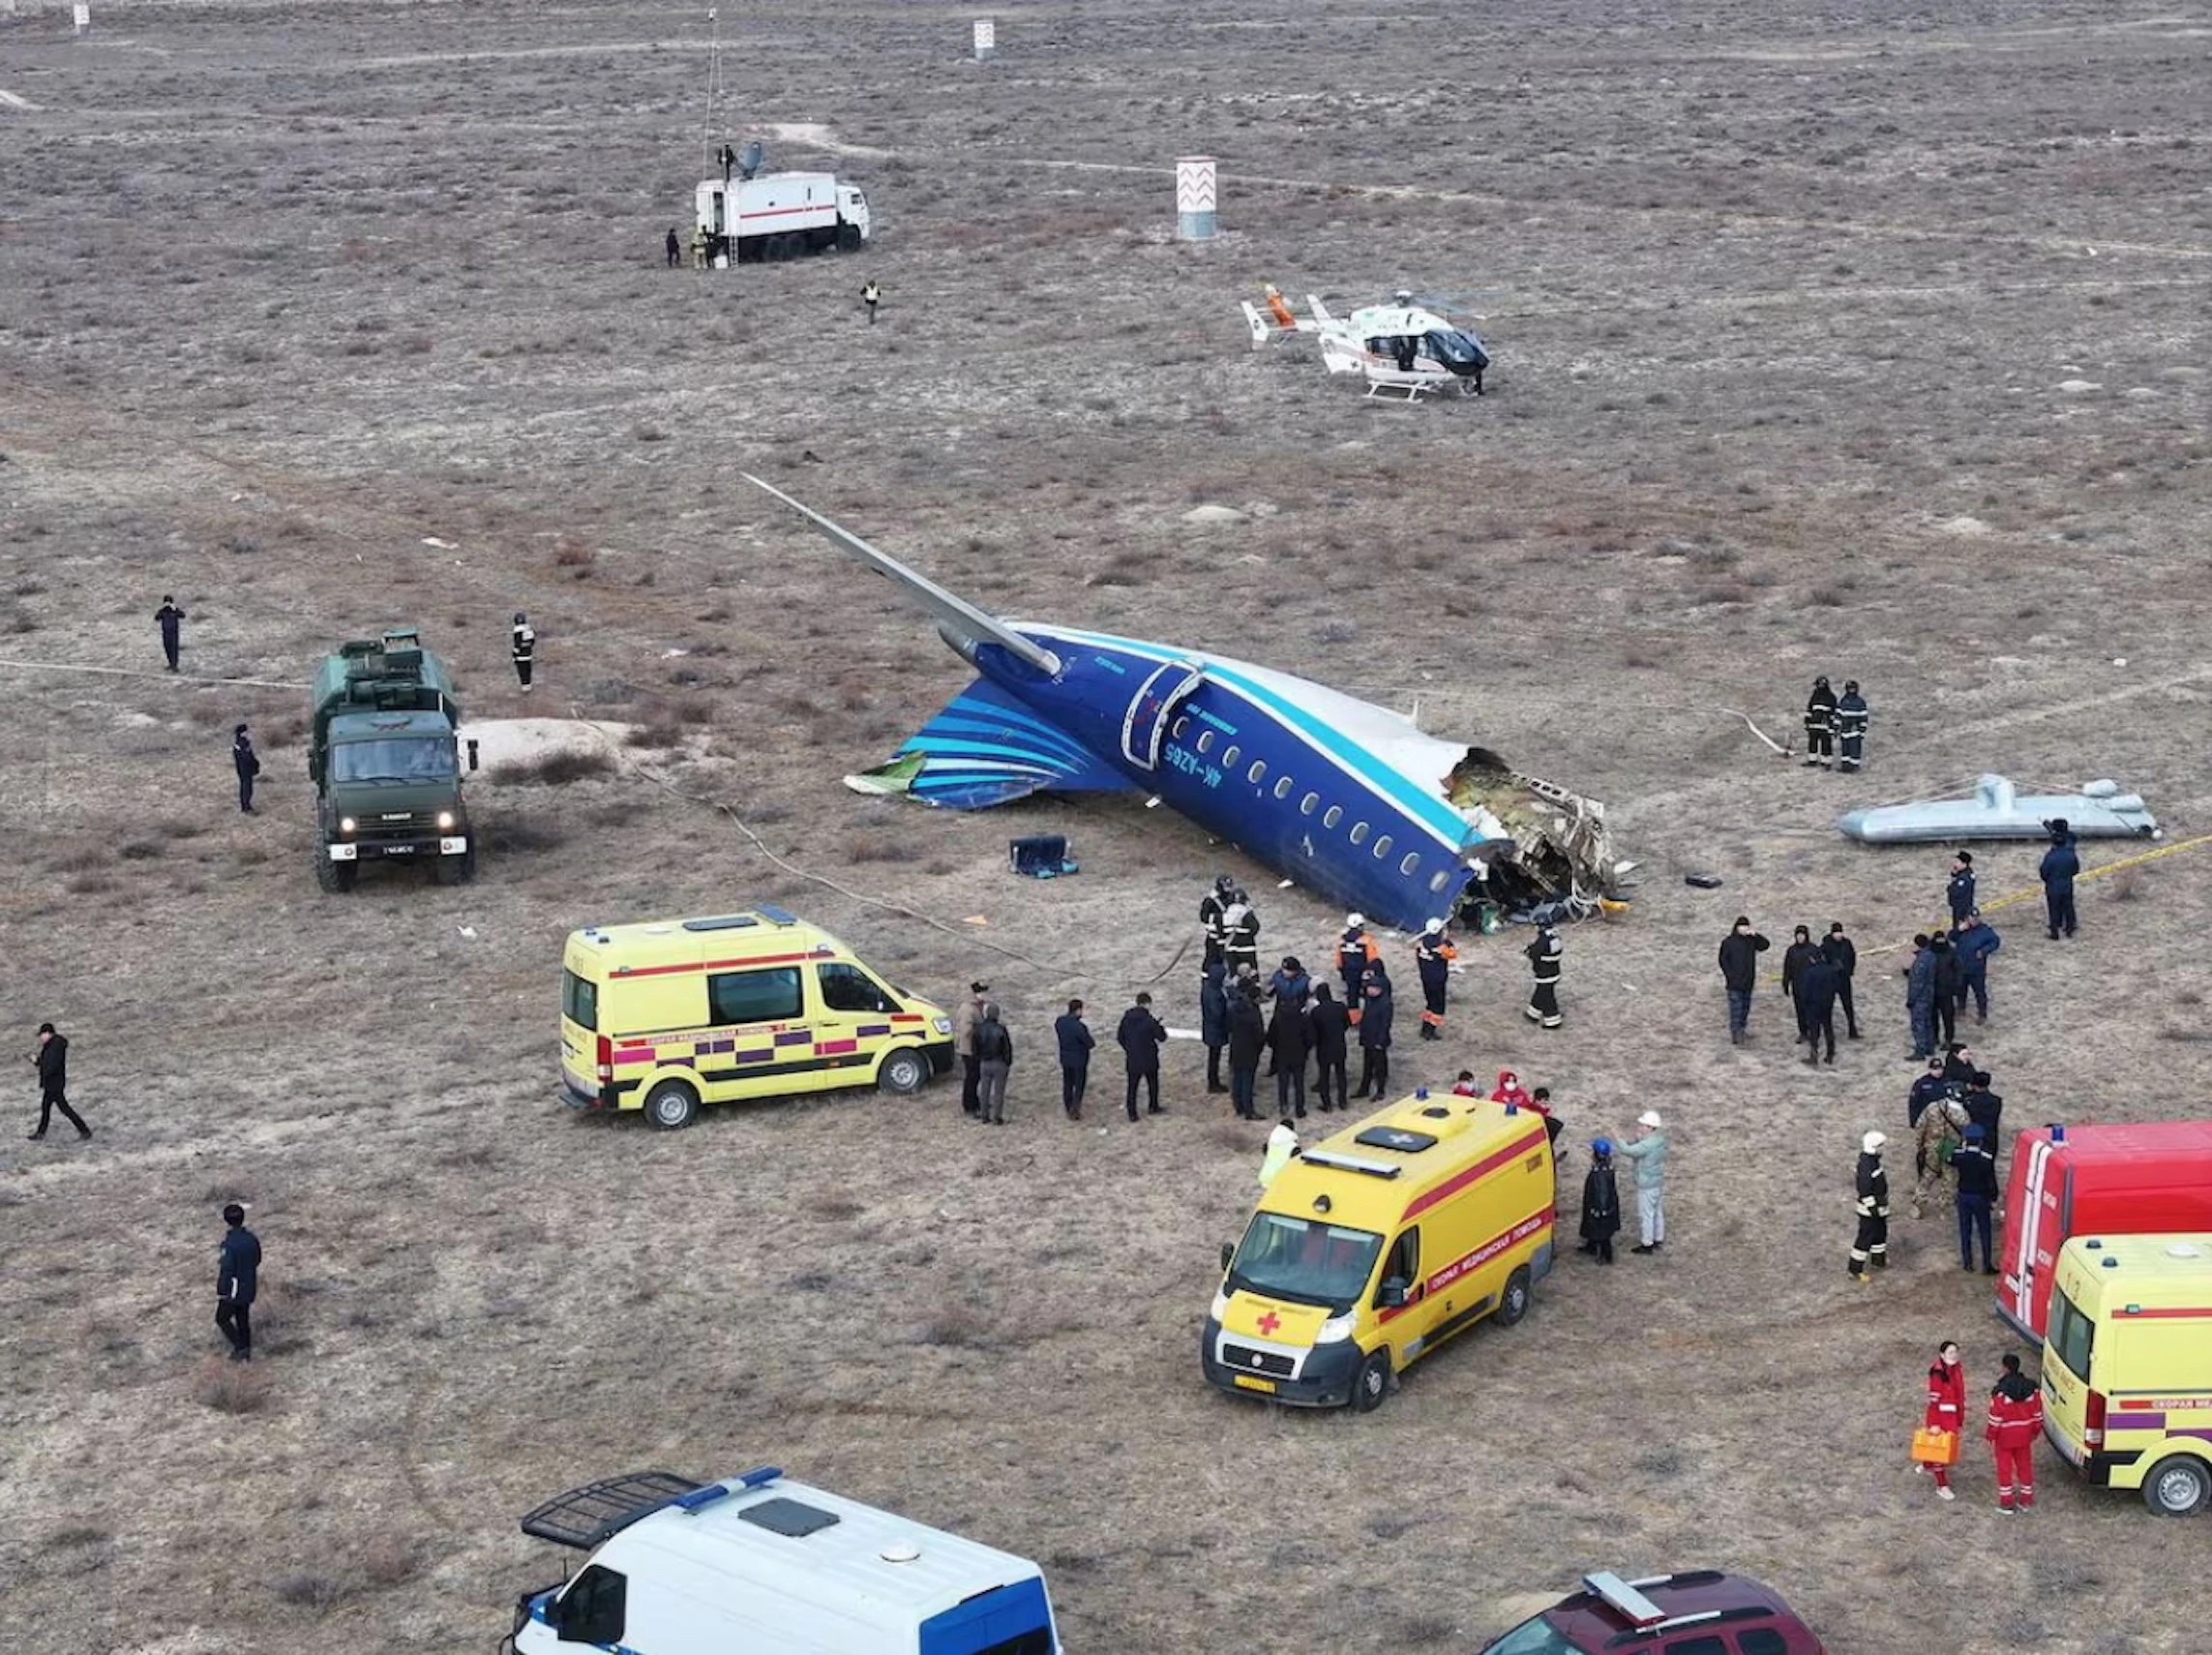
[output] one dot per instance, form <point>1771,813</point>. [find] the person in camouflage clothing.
<point>1944,1118</point>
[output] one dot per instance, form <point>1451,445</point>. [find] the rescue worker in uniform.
<point>170,619</point>
<point>523,645</point>
<point>1331,1023</point>
<point>1141,1036</point>
<point>1815,994</point>
<point>246,763</point>
<point>1920,997</point>
<point>1946,1410</point>
<point>1974,943</point>
<point>1212,907</point>
<point>2061,865</point>
<point>871,296</point>
<point>1433,954</point>
<point>1935,1141</point>
<point>1600,1202</point>
<point>1375,1015</point>
<point>1075,1046</point>
<point>699,246</point>
<point>1843,955</point>
<point>1958,891</point>
<point>1214,1020</point>
<point>1872,1245</point>
<point>1851,729</point>
<point>1355,955</point>
<point>1821,725</point>
<point>1542,1009</point>
<point>1509,1090</point>
<point>1241,933</point>
<point>1802,951</point>
<point>2015,1421</point>
<point>1977,1171</point>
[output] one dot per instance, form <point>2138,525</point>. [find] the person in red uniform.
<point>2015,1421</point>
<point>1509,1090</point>
<point>1946,1409</point>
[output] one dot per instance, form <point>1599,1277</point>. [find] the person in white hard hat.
<point>1355,955</point>
<point>1871,1246</point>
<point>1648,1150</point>
<point>1433,954</point>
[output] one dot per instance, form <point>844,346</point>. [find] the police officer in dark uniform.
<point>1958,891</point>
<point>1240,926</point>
<point>1796,959</point>
<point>246,763</point>
<point>170,619</point>
<point>1843,955</point>
<point>1211,909</point>
<point>236,1281</point>
<point>1821,725</point>
<point>1851,728</point>
<point>524,646</point>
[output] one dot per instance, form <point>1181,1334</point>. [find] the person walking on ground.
<point>871,296</point>
<point>2061,865</point>
<point>2015,1421</point>
<point>1872,1245</point>
<point>1075,1046</point>
<point>994,1059</point>
<point>523,646</point>
<point>1851,719</point>
<point>1815,994</point>
<point>1289,1038</point>
<point>1959,892</point>
<point>1600,1202</point>
<point>1740,951</point>
<point>1240,929</point>
<point>1433,954</point>
<point>1375,1016</point>
<point>1542,1009</point>
<point>674,249</point>
<point>1977,1171</point>
<point>1247,1040</point>
<point>1946,1411</point>
<point>1843,954</point>
<point>1214,1020</point>
<point>1648,1150</point>
<point>1949,987</point>
<point>170,619</point>
<point>1355,955</point>
<point>1973,944</point>
<point>1821,725</point>
<point>1331,1025</point>
<point>1920,997</point>
<point>964,1017</point>
<point>1212,922</point>
<point>52,1060</point>
<point>237,1278</point>
<point>246,763</point>
<point>1140,1036</point>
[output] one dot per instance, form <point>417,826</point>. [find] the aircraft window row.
<point>1180,724</point>
<point>1205,742</point>
<point>1258,772</point>
<point>1307,806</point>
<point>1335,814</point>
<point>1283,788</point>
<point>1382,847</point>
<point>1442,878</point>
<point>1358,833</point>
<point>1229,756</point>
<point>1411,866</point>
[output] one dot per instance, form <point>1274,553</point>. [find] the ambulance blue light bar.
<point>699,1498</point>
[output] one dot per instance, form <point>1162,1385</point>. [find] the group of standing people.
<point>1836,727</point>
<point>2011,1426</point>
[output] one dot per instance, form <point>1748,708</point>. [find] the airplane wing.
<point>986,748</point>
<point>962,625</point>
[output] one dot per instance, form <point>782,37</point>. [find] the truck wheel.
<point>1514,1303</point>
<point>849,238</point>
<point>334,877</point>
<point>777,248</point>
<point>672,1106</point>
<point>2177,1486</point>
<point>455,870</point>
<point>903,1073</point>
<point>1372,1383</point>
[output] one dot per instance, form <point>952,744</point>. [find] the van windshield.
<point>397,759</point>
<point>1533,1638</point>
<point>2073,1336</point>
<point>1305,1261</point>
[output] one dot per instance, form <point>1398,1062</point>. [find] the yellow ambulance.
<point>2127,1365</point>
<point>669,1014</point>
<point>1377,1245</point>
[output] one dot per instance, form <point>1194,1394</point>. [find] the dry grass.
<point>232,1387</point>
<point>557,768</point>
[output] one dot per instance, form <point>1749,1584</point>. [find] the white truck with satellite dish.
<point>758,1562</point>
<point>747,217</point>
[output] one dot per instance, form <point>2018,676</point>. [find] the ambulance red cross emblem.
<point>1267,1323</point>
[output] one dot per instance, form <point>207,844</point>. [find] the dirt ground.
<point>1865,343</point>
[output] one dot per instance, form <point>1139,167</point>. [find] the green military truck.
<point>386,764</point>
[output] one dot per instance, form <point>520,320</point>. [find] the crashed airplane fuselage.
<point>1346,798</point>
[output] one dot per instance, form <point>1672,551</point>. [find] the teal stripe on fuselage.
<point>1430,810</point>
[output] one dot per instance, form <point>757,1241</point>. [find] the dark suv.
<point>1703,1613</point>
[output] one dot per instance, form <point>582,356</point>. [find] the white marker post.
<point>84,16</point>
<point>986,40</point>
<point>1194,198</point>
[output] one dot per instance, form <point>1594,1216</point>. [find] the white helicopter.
<point>1401,349</point>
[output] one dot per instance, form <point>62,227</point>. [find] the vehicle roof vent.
<point>2183,1249</point>
<point>900,1551</point>
<point>1399,1138</point>
<point>788,1518</point>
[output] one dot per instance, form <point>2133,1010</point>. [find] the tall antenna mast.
<point>713,82</point>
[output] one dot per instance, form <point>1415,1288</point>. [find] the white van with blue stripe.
<point>761,1562</point>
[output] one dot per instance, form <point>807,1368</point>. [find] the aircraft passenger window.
<point>1382,847</point>
<point>1439,879</point>
<point>1334,816</point>
<point>1229,757</point>
<point>1360,833</point>
<point>1206,740</point>
<point>1283,788</point>
<point>1179,727</point>
<point>1411,866</point>
<point>1258,772</point>
<point>849,989</point>
<point>769,996</point>
<point>1307,806</point>
<point>592,1610</point>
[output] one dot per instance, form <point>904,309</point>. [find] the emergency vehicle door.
<point>1403,1298</point>
<point>1145,724</point>
<point>771,1039</point>
<point>2023,1232</point>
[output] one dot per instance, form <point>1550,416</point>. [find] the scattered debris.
<point>1997,810</point>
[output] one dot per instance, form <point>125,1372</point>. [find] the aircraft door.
<point>1145,727</point>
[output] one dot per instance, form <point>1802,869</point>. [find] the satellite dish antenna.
<point>749,164</point>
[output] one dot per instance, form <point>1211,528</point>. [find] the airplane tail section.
<point>986,748</point>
